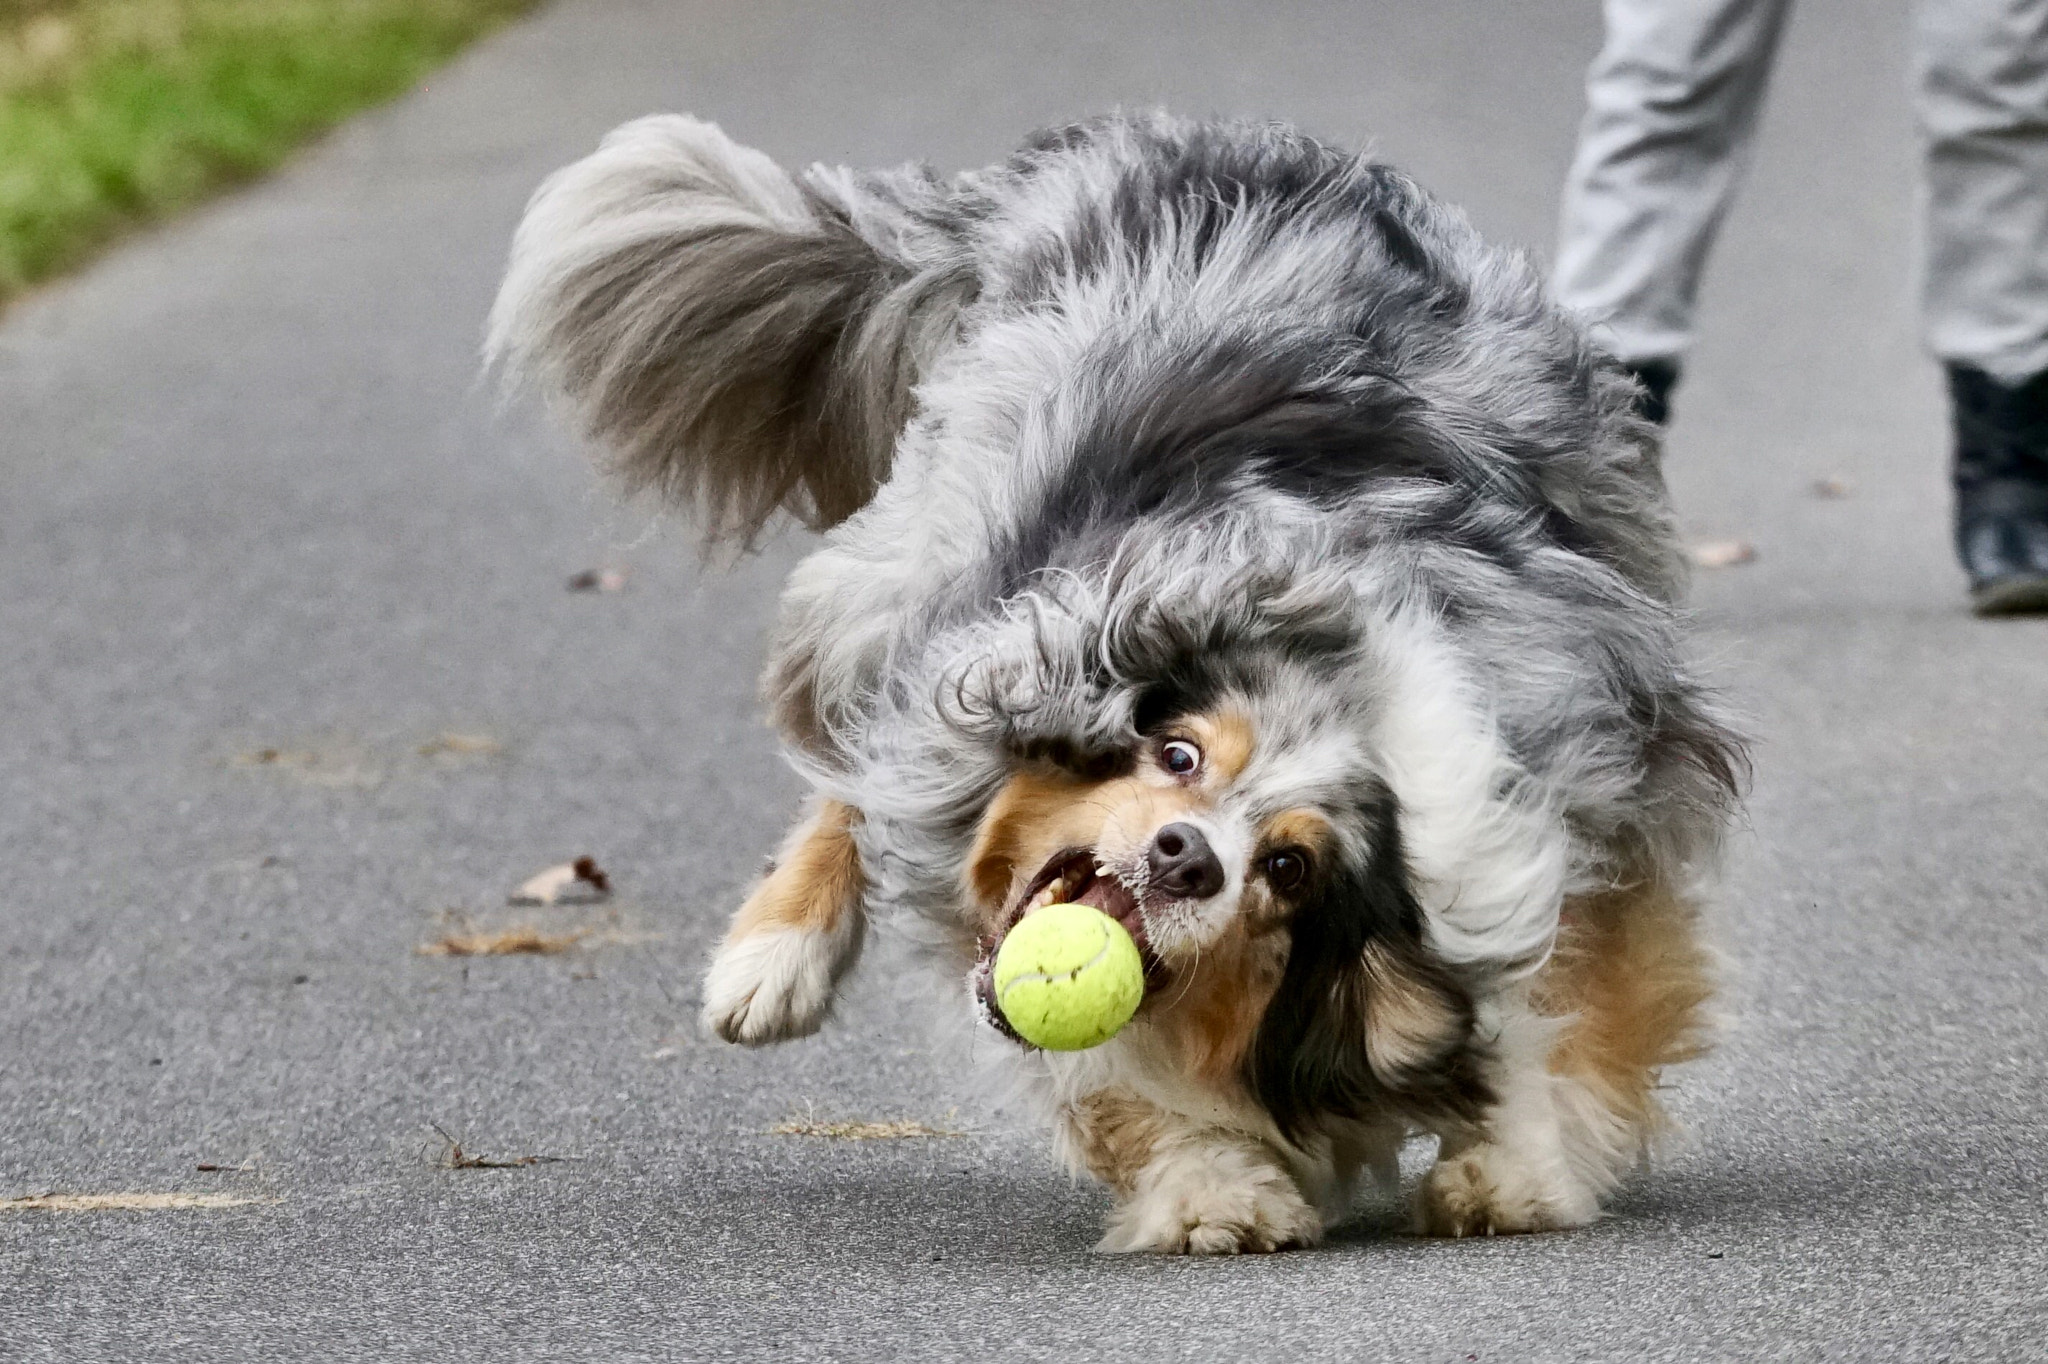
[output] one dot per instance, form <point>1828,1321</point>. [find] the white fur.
<point>1488,854</point>
<point>1208,1193</point>
<point>1546,1155</point>
<point>775,986</point>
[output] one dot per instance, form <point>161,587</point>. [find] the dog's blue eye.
<point>1181,758</point>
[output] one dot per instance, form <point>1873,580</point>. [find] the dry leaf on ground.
<point>598,580</point>
<point>207,1167</point>
<point>126,1202</point>
<point>523,940</point>
<point>552,886</point>
<point>1722,553</point>
<point>859,1131</point>
<point>339,766</point>
<point>466,745</point>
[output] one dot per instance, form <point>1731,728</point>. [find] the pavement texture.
<point>264,543</point>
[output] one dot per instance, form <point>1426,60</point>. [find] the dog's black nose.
<point>1183,865</point>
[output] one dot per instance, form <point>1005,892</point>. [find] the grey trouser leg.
<point>1671,103</point>
<point>1981,71</point>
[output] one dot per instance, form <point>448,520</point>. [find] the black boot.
<point>2001,475</point>
<point>1658,378</point>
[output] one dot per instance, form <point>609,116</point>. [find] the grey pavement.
<point>263,539</point>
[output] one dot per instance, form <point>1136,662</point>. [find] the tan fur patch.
<point>1037,815</point>
<point>1227,741</point>
<point>1116,1135</point>
<point>1410,1021</point>
<point>1212,1015</point>
<point>1033,811</point>
<point>1631,972</point>
<point>1300,828</point>
<point>816,881</point>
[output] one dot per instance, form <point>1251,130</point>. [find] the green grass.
<point>115,113</point>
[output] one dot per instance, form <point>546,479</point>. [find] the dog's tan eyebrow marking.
<point>1298,828</point>
<point>1227,740</point>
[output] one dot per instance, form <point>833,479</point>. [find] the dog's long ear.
<point>738,340</point>
<point>1364,1013</point>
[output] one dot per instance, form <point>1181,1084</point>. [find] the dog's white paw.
<point>773,986</point>
<point>1489,1190</point>
<point>1220,1200</point>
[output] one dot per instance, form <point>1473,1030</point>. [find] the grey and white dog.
<point>1218,532</point>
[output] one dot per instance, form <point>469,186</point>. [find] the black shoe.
<point>1658,378</point>
<point>2001,477</point>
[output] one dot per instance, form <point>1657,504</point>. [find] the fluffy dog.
<point>1218,532</point>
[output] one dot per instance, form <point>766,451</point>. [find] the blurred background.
<point>114,113</point>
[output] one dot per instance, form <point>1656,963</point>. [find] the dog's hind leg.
<point>1631,979</point>
<point>1577,1058</point>
<point>773,977</point>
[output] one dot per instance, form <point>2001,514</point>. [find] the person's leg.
<point>1982,75</point>
<point>1671,102</point>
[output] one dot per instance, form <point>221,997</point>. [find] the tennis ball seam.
<point>1060,1004</point>
<point>1045,977</point>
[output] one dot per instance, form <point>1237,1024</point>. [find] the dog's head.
<point>1252,846</point>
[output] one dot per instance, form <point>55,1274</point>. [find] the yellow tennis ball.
<point>1068,977</point>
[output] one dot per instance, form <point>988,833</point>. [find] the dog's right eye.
<point>1181,758</point>
<point>1286,869</point>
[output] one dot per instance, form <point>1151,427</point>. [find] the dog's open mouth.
<point>1070,877</point>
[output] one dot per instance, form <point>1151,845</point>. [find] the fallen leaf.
<point>208,1167</point>
<point>548,887</point>
<point>126,1202</point>
<point>524,940</point>
<point>859,1131</point>
<point>479,745</point>
<point>598,580</point>
<point>1831,487</point>
<point>1722,553</point>
<point>343,766</point>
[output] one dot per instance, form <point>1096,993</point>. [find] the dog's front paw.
<point>1488,1190</point>
<point>772,986</point>
<point>1218,1201</point>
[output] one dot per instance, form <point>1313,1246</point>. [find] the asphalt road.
<point>263,540</point>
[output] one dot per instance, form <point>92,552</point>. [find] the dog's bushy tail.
<point>723,330</point>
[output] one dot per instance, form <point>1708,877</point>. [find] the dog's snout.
<point>1183,864</point>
